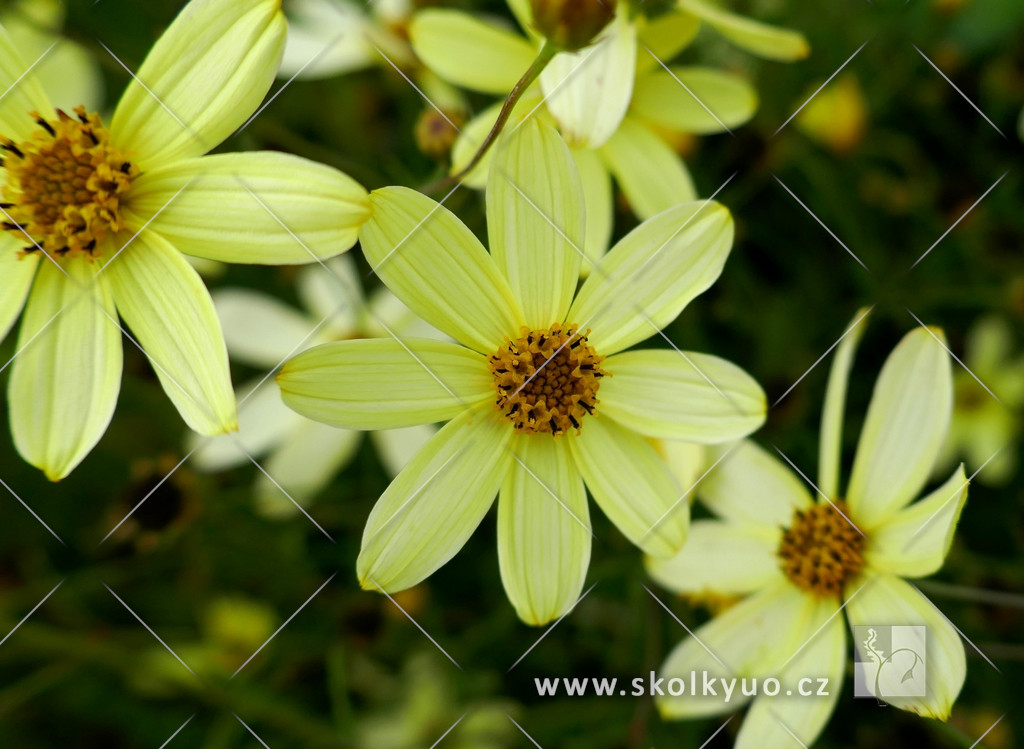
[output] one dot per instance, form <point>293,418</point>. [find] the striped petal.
<point>598,199</point>
<point>23,94</point>
<point>396,447</point>
<point>206,74</point>
<point>17,275</point>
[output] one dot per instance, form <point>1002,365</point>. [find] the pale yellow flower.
<point>801,562</point>
<point>540,396</point>
<point>96,220</point>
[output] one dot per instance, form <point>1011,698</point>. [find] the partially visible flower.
<point>95,221</point>
<point>838,116</point>
<point>985,430</point>
<point>303,455</point>
<point>540,394</point>
<point>614,101</point>
<point>800,562</point>
<point>66,70</point>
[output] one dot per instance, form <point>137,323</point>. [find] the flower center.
<point>821,549</point>
<point>547,380</point>
<point>64,186</point>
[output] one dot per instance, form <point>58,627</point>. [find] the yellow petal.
<point>597,196</point>
<point>22,93</point>
<point>761,39</point>
<point>170,313</point>
<point>535,220</point>
<point>67,372</point>
<point>259,207</point>
<point>204,77</point>
<point>694,100</point>
<point>17,275</point>
<point>664,37</point>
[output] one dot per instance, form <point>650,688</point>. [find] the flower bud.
<point>571,24</point>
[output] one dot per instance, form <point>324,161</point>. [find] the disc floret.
<point>821,549</point>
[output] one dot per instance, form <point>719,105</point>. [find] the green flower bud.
<point>571,24</point>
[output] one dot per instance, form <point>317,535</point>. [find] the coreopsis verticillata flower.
<point>800,562</point>
<point>302,455</point>
<point>95,221</point>
<point>540,396</point>
<point>617,102</point>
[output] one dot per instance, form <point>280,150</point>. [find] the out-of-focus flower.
<point>838,116</point>
<point>985,430</point>
<point>302,456</point>
<point>614,101</point>
<point>539,393</point>
<point>799,562</point>
<point>95,222</point>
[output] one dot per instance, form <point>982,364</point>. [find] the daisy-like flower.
<point>540,396</point>
<point>617,103</point>
<point>985,430</point>
<point>302,456</point>
<point>800,562</point>
<point>95,221</point>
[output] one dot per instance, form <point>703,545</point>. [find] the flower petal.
<point>687,461</point>
<point>904,429</point>
<point>17,274</point>
<point>600,211</point>
<point>758,38</point>
<point>201,80</point>
<point>886,599</point>
<point>543,530</point>
<point>434,505</point>
<point>67,373</point>
<point>396,447</point>
<point>302,466</point>
<point>468,52</point>
<point>694,100</point>
<point>721,558</point>
<point>652,273</point>
<point>801,710</point>
<point>334,294</point>
<point>385,383</point>
<point>749,485</point>
<point>325,39</point>
<point>682,396</point>
<point>651,175</point>
<point>164,302</point>
<point>588,92</point>
<point>664,37</point>
<point>831,442</point>
<point>259,329</point>
<point>259,207</point>
<point>535,220</point>
<point>747,640</point>
<point>914,542</point>
<point>434,264</point>
<point>23,94</point>
<point>632,485</point>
